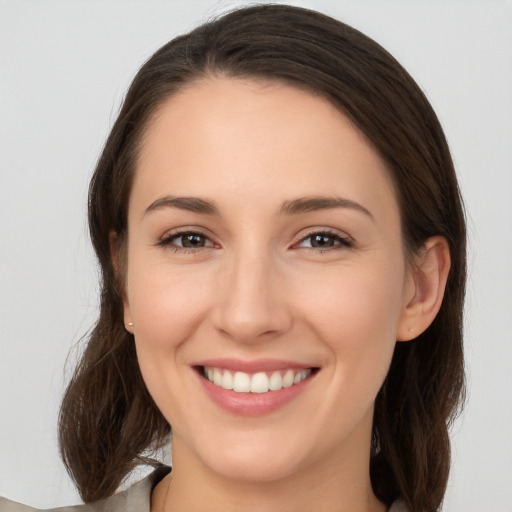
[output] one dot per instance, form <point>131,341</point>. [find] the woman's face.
<point>264,249</point>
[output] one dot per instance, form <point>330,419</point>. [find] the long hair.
<point>108,419</point>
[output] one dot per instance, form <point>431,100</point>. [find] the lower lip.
<point>252,404</point>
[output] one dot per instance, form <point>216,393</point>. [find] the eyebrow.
<point>295,207</point>
<point>192,204</point>
<point>311,204</point>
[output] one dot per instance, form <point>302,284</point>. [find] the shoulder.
<point>136,498</point>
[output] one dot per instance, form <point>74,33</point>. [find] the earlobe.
<point>118,271</point>
<point>425,288</point>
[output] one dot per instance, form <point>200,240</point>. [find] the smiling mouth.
<point>260,382</point>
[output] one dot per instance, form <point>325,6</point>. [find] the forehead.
<point>222,136</point>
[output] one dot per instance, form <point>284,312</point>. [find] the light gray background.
<point>64,66</point>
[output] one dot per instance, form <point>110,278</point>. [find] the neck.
<point>329,486</point>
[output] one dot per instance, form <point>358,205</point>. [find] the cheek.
<point>355,313</point>
<point>167,307</point>
<point>355,301</point>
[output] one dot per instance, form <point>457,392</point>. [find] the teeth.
<point>288,379</point>
<point>275,381</point>
<point>260,382</point>
<point>217,377</point>
<point>241,382</point>
<point>227,380</point>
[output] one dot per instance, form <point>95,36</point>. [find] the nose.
<point>252,305</point>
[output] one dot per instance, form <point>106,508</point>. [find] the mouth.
<point>253,388</point>
<point>258,382</point>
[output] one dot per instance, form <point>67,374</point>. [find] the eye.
<point>324,241</point>
<point>186,240</point>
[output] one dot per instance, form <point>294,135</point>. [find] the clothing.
<point>137,498</point>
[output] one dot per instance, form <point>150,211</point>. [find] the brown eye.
<point>192,240</point>
<point>324,241</point>
<point>186,240</point>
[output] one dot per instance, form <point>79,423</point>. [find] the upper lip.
<point>255,366</point>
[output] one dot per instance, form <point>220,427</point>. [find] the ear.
<point>119,270</point>
<point>424,289</point>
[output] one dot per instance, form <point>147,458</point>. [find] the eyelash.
<point>167,241</point>
<point>341,242</point>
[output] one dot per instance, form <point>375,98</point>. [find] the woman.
<point>275,208</point>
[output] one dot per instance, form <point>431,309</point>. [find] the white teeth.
<point>275,382</point>
<point>260,382</point>
<point>288,379</point>
<point>242,382</point>
<point>227,380</point>
<point>217,377</point>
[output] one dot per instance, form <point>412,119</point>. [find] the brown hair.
<point>108,419</point>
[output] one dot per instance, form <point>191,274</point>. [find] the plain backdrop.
<point>64,67</point>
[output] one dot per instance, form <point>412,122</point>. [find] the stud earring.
<point>130,324</point>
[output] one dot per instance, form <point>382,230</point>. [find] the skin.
<point>255,288</point>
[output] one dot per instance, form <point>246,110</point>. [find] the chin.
<point>254,456</point>
<point>261,468</point>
